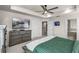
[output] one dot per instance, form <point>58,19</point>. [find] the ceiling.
<point>37,9</point>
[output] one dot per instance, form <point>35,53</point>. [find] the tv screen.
<point>20,23</point>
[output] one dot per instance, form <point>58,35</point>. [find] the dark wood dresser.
<point>19,36</point>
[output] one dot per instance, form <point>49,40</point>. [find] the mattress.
<point>33,44</point>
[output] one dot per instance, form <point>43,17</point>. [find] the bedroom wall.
<point>1,18</point>
<point>58,30</point>
<point>50,27</point>
<point>62,29</point>
<point>77,28</point>
<point>35,22</point>
<point>73,24</point>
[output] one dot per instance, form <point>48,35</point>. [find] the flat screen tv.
<point>18,23</point>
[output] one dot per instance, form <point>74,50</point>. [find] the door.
<point>44,28</point>
<point>72,34</point>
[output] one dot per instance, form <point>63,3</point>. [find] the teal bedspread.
<point>76,47</point>
<point>55,45</point>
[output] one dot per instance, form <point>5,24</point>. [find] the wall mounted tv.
<point>18,23</point>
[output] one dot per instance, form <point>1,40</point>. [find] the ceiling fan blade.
<point>38,11</point>
<point>53,8</point>
<point>43,13</point>
<point>43,8</point>
<point>50,12</point>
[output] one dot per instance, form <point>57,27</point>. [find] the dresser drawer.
<point>18,37</point>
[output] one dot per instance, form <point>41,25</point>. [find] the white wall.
<point>50,27</point>
<point>77,28</point>
<point>0,50</point>
<point>1,18</point>
<point>35,22</point>
<point>62,29</point>
<point>58,30</point>
<point>73,24</point>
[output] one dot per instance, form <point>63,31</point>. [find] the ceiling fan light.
<point>49,15</point>
<point>45,12</point>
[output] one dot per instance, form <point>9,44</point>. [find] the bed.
<point>50,44</point>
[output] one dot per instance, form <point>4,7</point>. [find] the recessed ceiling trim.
<point>20,9</point>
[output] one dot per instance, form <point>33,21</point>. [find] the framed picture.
<point>18,23</point>
<point>56,23</point>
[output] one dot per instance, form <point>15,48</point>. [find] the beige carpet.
<point>16,48</point>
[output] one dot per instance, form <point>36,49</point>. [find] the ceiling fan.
<point>44,7</point>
